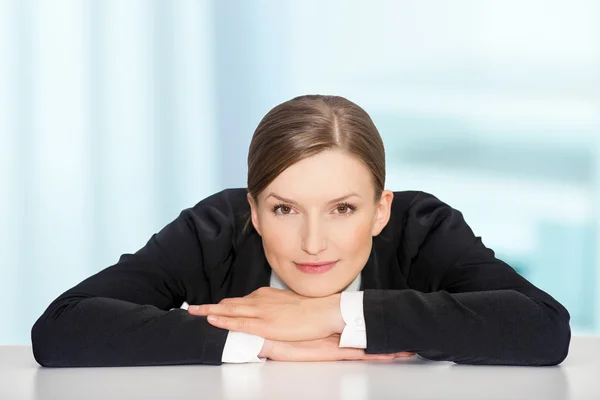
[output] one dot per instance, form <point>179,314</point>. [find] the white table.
<point>578,377</point>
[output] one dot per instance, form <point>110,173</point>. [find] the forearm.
<point>486,327</point>
<point>103,331</point>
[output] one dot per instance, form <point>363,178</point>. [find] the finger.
<point>234,300</point>
<point>253,326</point>
<point>359,354</point>
<point>378,357</point>
<point>404,354</point>
<point>226,310</point>
<point>384,356</point>
<point>200,309</point>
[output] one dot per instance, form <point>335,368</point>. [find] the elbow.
<point>546,349</point>
<point>40,344</point>
<point>52,342</point>
<point>555,347</point>
<point>554,335</point>
<point>44,345</point>
<point>543,344</point>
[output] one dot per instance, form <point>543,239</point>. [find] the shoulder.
<point>415,203</point>
<point>227,202</point>
<point>421,221</point>
<point>415,214</point>
<point>220,215</point>
<point>403,199</point>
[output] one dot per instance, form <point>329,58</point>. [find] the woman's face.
<point>320,210</point>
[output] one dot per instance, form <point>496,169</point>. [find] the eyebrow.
<point>336,200</point>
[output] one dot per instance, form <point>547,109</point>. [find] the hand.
<point>326,349</point>
<point>276,314</point>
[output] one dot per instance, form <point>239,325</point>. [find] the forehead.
<point>322,177</point>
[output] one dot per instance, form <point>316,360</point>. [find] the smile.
<point>316,268</point>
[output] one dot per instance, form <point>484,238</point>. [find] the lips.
<point>316,264</point>
<point>316,268</point>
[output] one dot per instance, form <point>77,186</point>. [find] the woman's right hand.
<point>326,349</point>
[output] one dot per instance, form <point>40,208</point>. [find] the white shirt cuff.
<point>241,347</point>
<point>355,331</point>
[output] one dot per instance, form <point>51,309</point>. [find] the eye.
<point>345,209</point>
<point>282,209</point>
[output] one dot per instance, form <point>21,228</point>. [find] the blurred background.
<point>116,115</point>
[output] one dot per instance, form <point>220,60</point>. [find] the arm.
<point>123,316</point>
<point>466,305</point>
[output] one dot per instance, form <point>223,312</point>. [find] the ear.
<point>383,212</point>
<point>253,213</point>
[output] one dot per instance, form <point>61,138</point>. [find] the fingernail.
<point>193,308</point>
<point>212,318</point>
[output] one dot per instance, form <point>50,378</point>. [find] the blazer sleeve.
<point>128,314</point>
<point>464,305</point>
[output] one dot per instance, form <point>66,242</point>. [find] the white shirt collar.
<point>277,283</point>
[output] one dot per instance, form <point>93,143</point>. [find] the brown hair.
<point>307,125</point>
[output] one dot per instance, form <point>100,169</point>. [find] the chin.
<point>316,291</point>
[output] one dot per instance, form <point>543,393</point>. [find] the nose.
<point>313,237</point>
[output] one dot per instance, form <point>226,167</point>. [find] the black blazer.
<point>430,286</point>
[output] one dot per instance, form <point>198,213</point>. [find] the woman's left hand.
<point>276,314</point>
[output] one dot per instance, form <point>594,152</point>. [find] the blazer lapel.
<point>249,271</point>
<point>377,274</point>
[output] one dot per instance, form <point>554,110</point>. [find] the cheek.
<point>278,239</point>
<point>354,238</point>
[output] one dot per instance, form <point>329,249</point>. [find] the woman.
<point>315,260</point>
